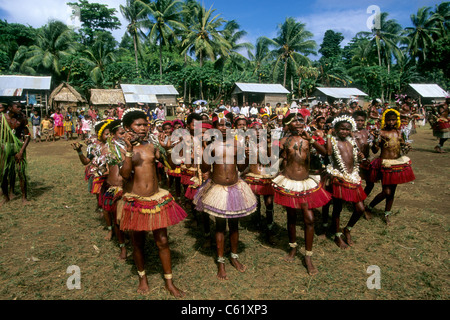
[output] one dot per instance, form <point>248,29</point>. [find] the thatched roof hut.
<point>65,96</point>
<point>104,98</point>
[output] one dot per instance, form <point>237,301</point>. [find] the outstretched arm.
<point>77,147</point>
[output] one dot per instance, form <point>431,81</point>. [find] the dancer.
<point>441,128</point>
<point>146,207</point>
<point>112,189</point>
<point>225,196</point>
<point>391,167</point>
<point>259,178</point>
<point>295,189</point>
<point>364,141</point>
<point>344,176</point>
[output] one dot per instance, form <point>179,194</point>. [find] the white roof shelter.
<point>429,90</point>
<point>134,93</point>
<point>13,86</point>
<point>341,93</point>
<point>260,88</point>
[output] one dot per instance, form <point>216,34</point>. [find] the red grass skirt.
<point>364,170</point>
<point>392,172</point>
<point>292,194</point>
<point>260,186</point>
<point>347,191</point>
<point>135,213</point>
<point>186,176</point>
<point>97,183</point>
<point>109,197</point>
<point>191,191</point>
<point>174,173</point>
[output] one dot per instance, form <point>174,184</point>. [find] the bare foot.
<point>221,273</point>
<point>312,270</point>
<point>367,215</point>
<point>11,196</point>
<point>143,286</point>
<point>123,254</point>
<point>340,243</point>
<point>108,235</point>
<point>387,220</point>
<point>348,237</point>
<point>291,256</point>
<point>174,291</point>
<point>239,266</point>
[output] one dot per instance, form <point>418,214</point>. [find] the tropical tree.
<point>99,55</point>
<point>164,20</point>
<point>135,14</point>
<point>386,40</point>
<point>260,57</point>
<point>94,17</point>
<point>292,46</point>
<point>236,60</point>
<point>204,38</point>
<point>421,35</point>
<point>53,41</point>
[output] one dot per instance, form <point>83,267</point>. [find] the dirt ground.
<point>61,229</point>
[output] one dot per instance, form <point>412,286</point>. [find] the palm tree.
<point>420,36</point>
<point>187,18</point>
<point>233,35</point>
<point>293,45</point>
<point>261,56</point>
<point>135,14</point>
<point>163,24</point>
<point>53,41</point>
<point>386,39</point>
<point>204,39</point>
<point>98,56</point>
<point>441,17</point>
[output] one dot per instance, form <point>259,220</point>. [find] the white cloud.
<point>348,22</point>
<point>38,13</point>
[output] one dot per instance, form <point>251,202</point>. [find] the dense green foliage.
<point>193,48</point>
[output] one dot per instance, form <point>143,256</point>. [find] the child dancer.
<point>391,167</point>
<point>295,189</point>
<point>344,176</point>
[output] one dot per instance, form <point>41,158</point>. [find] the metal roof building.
<point>339,93</point>
<point>28,89</point>
<point>134,93</point>
<point>13,86</point>
<point>152,95</point>
<point>427,93</point>
<point>259,93</point>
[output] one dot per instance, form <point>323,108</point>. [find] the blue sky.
<point>257,17</point>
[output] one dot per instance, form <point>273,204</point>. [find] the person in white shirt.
<point>245,110</point>
<point>254,110</point>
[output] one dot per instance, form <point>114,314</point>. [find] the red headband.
<point>206,125</point>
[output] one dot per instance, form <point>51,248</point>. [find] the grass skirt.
<point>234,201</point>
<point>96,185</point>
<point>347,191</point>
<point>441,129</point>
<point>292,193</point>
<point>109,197</point>
<point>136,213</point>
<point>260,185</point>
<point>186,176</point>
<point>392,172</point>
